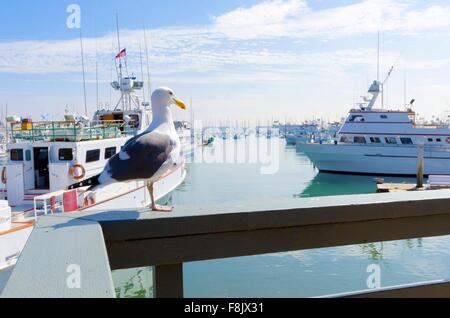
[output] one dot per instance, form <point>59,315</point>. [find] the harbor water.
<point>298,273</point>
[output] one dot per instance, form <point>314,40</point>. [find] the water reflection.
<point>134,283</point>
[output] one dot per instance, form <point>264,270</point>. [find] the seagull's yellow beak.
<point>179,103</point>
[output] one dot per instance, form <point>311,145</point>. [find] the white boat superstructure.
<point>382,142</point>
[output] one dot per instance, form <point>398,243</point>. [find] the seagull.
<point>147,156</point>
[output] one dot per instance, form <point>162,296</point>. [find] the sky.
<point>235,60</point>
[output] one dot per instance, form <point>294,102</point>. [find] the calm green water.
<point>294,274</point>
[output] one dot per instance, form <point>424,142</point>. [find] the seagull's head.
<point>166,97</point>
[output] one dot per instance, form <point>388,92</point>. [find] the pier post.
<point>168,281</point>
<point>420,163</point>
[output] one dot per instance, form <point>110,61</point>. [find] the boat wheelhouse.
<point>42,155</point>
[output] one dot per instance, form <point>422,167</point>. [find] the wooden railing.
<point>105,241</point>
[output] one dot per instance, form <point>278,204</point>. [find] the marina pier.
<point>96,243</point>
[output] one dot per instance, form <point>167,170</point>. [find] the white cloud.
<point>294,19</point>
<point>246,37</point>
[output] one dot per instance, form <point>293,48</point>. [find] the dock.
<point>72,255</point>
<point>398,187</point>
<point>435,182</point>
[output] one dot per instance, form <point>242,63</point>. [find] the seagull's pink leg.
<point>153,206</point>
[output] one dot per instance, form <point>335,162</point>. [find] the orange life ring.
<point>4,178</point>
<point>77,171</point>
<point>448,140</point>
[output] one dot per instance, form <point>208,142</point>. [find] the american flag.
<point>122,53</point>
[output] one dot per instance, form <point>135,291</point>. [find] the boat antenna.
<point>382,85</point>
<point>404,88</point>
<point>378,57</point>
<point>84,73</point>
<point>142,70</point>
<point>148,64</point>
<point>120,61</point>
<point>6,122</point>
<point>96,66</point>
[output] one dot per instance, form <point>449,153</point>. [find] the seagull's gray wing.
<point>147,153</point>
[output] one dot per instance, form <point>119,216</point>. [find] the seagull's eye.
<point>171,93</point>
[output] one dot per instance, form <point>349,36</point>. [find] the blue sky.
<point>255,59</point>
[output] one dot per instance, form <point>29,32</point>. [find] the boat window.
<point>16,154</point>
<point>28,155</point>
<point>65,154</point>
<point>134,120</point>
<point>391,140</point>
<point>93,155</point>
<point>356,118</point>
<point>110,152</point>
<point>359,140</point>
<point>345,139</point>
<point>439,140</point>
<point>430,139</point>
<point>406,141</point>
<point>384,116</point>
<point>375,140</point>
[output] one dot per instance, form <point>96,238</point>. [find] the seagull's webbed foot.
<point>160,208</point>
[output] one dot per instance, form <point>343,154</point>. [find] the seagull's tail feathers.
<point>91,183</point>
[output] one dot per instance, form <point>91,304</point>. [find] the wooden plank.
<point>65,257</point>
<point>243,216</point>
<point>176,249</point>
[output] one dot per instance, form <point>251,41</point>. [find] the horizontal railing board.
<point>57,242</point>
<point>194,220</point>
<point>173,250</point>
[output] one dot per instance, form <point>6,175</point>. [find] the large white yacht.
<point>382,142</point>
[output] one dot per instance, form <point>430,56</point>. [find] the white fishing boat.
<point>297,134</point>
<point>45,158</point>
<point>382,142</point>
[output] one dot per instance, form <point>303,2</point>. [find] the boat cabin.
<point>46,157</point>
<point>389,128</point>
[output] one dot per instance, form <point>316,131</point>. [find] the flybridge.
<point>67,131</point>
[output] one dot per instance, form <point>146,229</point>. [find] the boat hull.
<point>291,140</point>
<point>374,160</point>
<point>12,243</point>
<point>134,194</point>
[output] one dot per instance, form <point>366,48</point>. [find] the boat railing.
<point>445,148</point>
<point>69,131</point>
